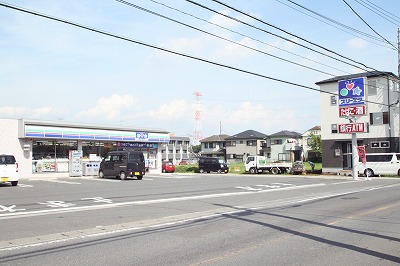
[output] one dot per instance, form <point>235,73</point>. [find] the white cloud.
<point>13,112</point>
<point>357,43</point>
<point>227,22</point>
<point>234,51</point>
<point>108,108</point>
<point>184,44</point>
<point>171,111</point>
<point>292,44</point>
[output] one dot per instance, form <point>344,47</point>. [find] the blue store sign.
<point>352,92</point>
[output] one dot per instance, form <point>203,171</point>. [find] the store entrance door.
<point>347,156</point>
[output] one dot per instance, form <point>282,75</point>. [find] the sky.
<point>141,63</point>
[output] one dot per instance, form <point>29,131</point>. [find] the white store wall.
<point>11,144</point>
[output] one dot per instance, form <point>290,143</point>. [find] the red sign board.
<point>362,155</point>
<point>352,110</point>
<point>352,128</point>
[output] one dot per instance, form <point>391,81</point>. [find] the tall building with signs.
<point>365,105</point>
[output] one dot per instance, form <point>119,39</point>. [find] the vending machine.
<point>75,162</point>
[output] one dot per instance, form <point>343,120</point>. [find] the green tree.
<point>315,144</point>
<point>196,148</point>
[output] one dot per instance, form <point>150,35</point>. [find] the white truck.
<point>258,164</point>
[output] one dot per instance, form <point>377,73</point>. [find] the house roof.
<point>286,133</point>
<point>248,134</point>
<point>215,138</point>
<point>369,74</point>
<point>315,128</point>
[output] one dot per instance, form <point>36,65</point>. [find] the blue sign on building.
<point>351,92</point>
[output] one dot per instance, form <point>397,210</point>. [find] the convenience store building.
<point>44,147</point>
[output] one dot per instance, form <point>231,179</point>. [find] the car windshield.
<point>6,159</point>
<point>221,161</point>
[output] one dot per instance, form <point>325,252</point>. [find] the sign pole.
<point>354,155</point>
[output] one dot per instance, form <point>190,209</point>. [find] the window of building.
<point>241,142</point>
<point>277,141</point>
<point>333,100</point>
<point>251,143</point>
<point>206,145</point>
<point>372,88</point>
<point>231,143</point>
<point>380,118</point>
<point>334,128</point>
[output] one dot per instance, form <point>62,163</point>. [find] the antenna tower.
<point>197,134</point>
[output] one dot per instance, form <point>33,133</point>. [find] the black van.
<point>123,164</point>
<point>212,164</point>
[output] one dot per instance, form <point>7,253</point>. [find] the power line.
<point>349,29</point>
<point>377,10</point>
<point>220,37</point>
<point>278,28</point>
<point>247,36</point>
<point>355,12</point>
<point>286,32</point>
<point>171,51</point>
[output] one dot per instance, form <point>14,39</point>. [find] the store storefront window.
<point>51,156</point>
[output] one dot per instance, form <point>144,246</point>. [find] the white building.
<point>284,146</point>
<point>43,147</point>
<point>308,154</point>
<point>380,121</point>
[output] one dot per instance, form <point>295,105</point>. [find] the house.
<point>214,146</point>
<point>308,154</point>
<point>373,118</point>
<point>240,145</point>
<point>284,146</point>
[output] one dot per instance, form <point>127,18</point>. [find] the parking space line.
<point>61,181</point>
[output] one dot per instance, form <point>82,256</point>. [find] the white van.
<point>381,164</point>
<point>8,169</point>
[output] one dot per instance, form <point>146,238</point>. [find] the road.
<point>201,219</point>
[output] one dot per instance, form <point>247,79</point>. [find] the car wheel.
<point>369,172</point>
<point>275,171</point>
<point>122,176</point>
<point>163,170</point>
<point>14,183</point>
<point>252,170</point>
<point>140,177</point>
<point>219,171</point>
<point>101,174</point>
<point>201,170</point>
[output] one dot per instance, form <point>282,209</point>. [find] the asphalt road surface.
<point>201,219</point>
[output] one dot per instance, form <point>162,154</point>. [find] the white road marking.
<point>106,180</point>
<point>178,177</point>
<point>143,202</point>
<point>249,188</point>
<point>267,186</point>
<point>99,231</point>
<point>282,184</point>
<point>61,181</point>
<point>24,185</point>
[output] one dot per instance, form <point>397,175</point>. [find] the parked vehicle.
<point>123,164</point>
<point>183,162</point>
<point>168,167</point>
<point>8,169</point>
<point>212,164</point>
<point>381,164</point>
<point>298,168</point>
<point>258,164</point>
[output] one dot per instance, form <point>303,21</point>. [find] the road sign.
<point>352,128</point>
<point>352,110</point>
<point>351,92</point>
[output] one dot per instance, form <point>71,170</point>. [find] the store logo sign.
<point>142,135</point>
<point>351,92</point>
